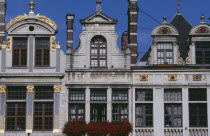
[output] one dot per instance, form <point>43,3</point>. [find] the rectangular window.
<point>119,111</point>
<point>197,94</point>
<point>76,111</point>
<point>98,112</point>
<point>98,94</point>
<point>16,116</point>
<point>165,53</point>
<point>42,52</point>
<point>198,115</point>
<point>19,55</point>
<point>43,116</point>
<point>16,92</point>
<point>173,115</point>
<point>173,94</point>
<point>77,94</point>
<point>202,52</point>
<point>44,92</point>
<point>144,115</point>
<point>120,94</point>
<point>144,95</point>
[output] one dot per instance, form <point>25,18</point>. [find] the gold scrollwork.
<point>54,44</point>
<point>18,18</point>
<point>2,88</point>
<point>8,44</point>
<point>172,77</point>
<point>57,88</point>
<point>144,78</point>
<point>197,77</point>
<point>47,20</point>
<point>189,58</point>
<point>180,60</point>
<point>30,88</point>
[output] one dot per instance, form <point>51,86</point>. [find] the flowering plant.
<point>97,128</point>
<point>75,128</point>
<point>120,128</point>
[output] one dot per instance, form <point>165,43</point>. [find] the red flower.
<point>75,128</point>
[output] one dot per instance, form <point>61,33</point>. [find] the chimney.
<point>124,41</point>
<point>132,29</point>
<point>70,24</point>
<point>2,20</point>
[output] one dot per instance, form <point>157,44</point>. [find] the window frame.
<point>190,90</point>
<point>37,93</point>
<point>172,92</point>
<point>81,93</point>
<point>42,57</point>
<point>164,50</point>
<point>20,51</point>
<point>120,114</point>
<point>147,91</point>
<point>172,116</point>
<point>97,90</point>
<point>43,116</point>
<point>15,92</point>
<point>117,91</point>
<point>76,111</point>
<point>98,55</point>
<point>16,116</point>
<point>202,51</point>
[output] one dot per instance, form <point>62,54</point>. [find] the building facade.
<point>166,93</point>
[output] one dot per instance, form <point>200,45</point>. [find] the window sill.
<point>44,67</point>
<point>17,67</point>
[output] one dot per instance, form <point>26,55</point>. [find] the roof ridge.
<point>179,14</point>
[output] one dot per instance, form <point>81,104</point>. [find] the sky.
<point>117,9</point>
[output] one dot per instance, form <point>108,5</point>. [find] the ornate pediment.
<point>98,17</point>
<point>165,29</point>
<point>202,29</point>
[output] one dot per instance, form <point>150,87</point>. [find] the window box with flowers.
<point>75,128</point>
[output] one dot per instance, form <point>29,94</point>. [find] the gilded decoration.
<point>197,77</point>
<point>172,77</point>
<point>54,44</point>
<point>144,130</point>
<point>143,77</point>
<point>202,29</point>
<point>30,88</point>
<point>57,88</point>
<point>18,18</point>
<point>164,30</point>
<point>2,88</point>
<point>28,130</point>
<point>189,58</point>
<point>180,60</point>
<point>47,20</point>
<point>173,130</point>
<point>8,44</point>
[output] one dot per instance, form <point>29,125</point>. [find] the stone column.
<point>29,109</point>
<point>185,111</point>
<point>208,104</point>
<point>109,104</point>
<point>57,90</point>
<point>3,59</point>
<point>2,107</point>
<point>130,104</point>
<point>158,113</point>
<point>87,104</point>
<point>31,52</point>
<point>133,109</point>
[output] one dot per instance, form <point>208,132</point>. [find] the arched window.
<point>98,52</point>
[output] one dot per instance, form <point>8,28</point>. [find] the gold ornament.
<point>18,18</point>
<point>57,88</point>
<point>197,77</point>
<point>47,20</point>
<point>2,88</point>
<point>172,77</point>
<point>143,77</point>
<point>30,88</point>
<point>54,44</point>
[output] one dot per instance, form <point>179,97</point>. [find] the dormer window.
<point>202,52</point>
<point>98,52</point>
<point>42,52</point>
<point>19,55</point>
<point>165,53</point>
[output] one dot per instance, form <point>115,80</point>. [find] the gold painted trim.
<point>197,77</point>
<point>144,77</point>
<point>172,77</point>
<point>57,88</point>
<point>2,131</point>
<point>47,20</point>
<point>29,130</point>
<point>30,88</point>
<point>8,44</point>
<point>3,89</point>
<point>180,60</point>
<point>13,21</point>
<point>56,130</point>
<point>189,58</point>
<point>54,44</point>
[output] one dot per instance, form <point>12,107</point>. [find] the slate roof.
<point>183,27</point>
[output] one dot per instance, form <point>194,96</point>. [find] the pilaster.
<point>185,111</point>
<point>2,107</point>
<point>29,108</point>
<point>87,104</point>
<point>31,52</point>
<point>208,99</point>
<point>57,90</point>
<point>109,104</point>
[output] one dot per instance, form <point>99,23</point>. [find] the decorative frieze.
<point>57,88</point>
<point>172,77</point>
<point>2,88</point>
<point>196,77</point>
<point>30,88</point>
<point>144,132</point>
<point>173,132</point>
<point>198,132</point>
<point>144,77</point>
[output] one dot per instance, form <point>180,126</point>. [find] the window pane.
<point>77,94</point>
<point>198,115</point>
<point>76,111</point>
<point>173,115</point>
<point>197,94</point>
<point>20,51</point>
<point>173,94</point>
<point>144,95</point>
<point>144,115</point>
<point>44,92</point>
<point>202,52</point>
<point>16,92</point>
<point>165,53</point>
<point>98,94</point>
<point>119,111</point>
<point>119,94</point>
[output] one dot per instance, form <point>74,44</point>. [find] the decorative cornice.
<point>57,88</point>
<point>18,18</point>
<point>54,44</point>
<point>47,20</point>
<point>30,88</point>
<point>2,89</point>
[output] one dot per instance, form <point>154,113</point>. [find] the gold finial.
<point>164,19</point>
<point>32,4</point>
